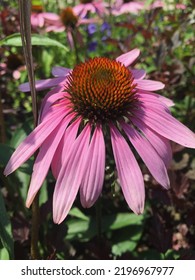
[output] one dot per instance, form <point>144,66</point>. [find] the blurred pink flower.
<point>166,5</point>
<point>66,21</point>
<point>100,100</point>
<point>95,7</point>
<point>121,7</point>
<point>37,19</point>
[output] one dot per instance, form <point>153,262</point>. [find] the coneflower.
<point>98,100</point>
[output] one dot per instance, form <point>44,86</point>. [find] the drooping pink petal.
<point>44,158</point>
<point>33,141</point>
<point>92,183</point>
<point>152,101</point>
<point>168,102</point>
<point>129,57</point>
<point>70,176</point>
<point>148,154</point>
<point>70,39</point>
<point>50,98</point>
<point>138,74</point>
<point>166,125</point>
<point>64,146</point>
<point>162,145</point>
<point>43,84</point>
<point>59,71</point>
<point>149,85</point>
<point>129,173</point>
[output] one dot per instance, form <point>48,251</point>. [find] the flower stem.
<point>73,33</point>
<point>35,229</point>
<point>99,218</point>
<point>2,125</point>
<point>25,29</point>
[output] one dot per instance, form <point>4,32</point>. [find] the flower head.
<point>100,99</point>
<point>68,17</point>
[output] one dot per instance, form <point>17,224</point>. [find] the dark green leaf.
<point>86,229</point>
<point>21,133</point>
<point>5,229</point>
<point>5,154</point>
<point>37,40</point>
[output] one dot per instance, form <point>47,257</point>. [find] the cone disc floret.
<point>68,18</point>
<point>101,89</point>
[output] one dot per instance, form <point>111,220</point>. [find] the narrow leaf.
<point>36,40</point>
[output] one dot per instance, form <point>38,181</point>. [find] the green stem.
<point>25,28</point>
<point>35,229</point>
<point>73,32</point>
<point>2,124</point>
<point>99,218</point>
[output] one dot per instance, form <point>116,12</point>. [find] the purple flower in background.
<point>92,28</point>
<point>100,100</point>
<point>106,30</point>
<point>92,46</point>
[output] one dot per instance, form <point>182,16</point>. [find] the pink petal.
<point>70,176</point>
<point>44,158</point>
<point>93,180</point>
<point>59,71</point>
<point>129,173</point>
<point>162,145</point>
<point>149,85</point>
<point>138,74</point>
<point>64,146</point>
<point>33,141</point>
<point>51,16</point>
<point>148,154</point>
<point>129,57</point>
<point>168,102</point>
<point>56,27</point>
<point>70,39</point>
<point>43,84</point>
<point>56,97</point>
<point>167,126</point>
<point>151,101</point>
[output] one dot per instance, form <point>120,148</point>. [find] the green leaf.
<point>127,240</point>
<point>123,247</point>
<point>5,153</point>
<point>75,212</point>
<point>5,230</point>
<point>36,40</point>
<point>82,230</point>
<point>21,133</point>
<point>43,194</point>
<point>123,219</point>
<point>4,255</point>
<point>86,229</point>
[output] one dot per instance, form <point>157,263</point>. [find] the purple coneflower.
<point>94,7</point>
<point>100,100</point>
<point>67,21</point>
<point>122,7</point>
